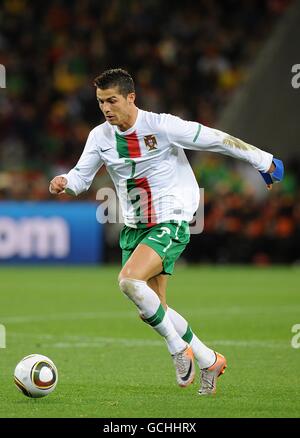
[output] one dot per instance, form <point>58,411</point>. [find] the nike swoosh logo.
<point>213,382</point>
<point>186,377</point>
<point>104,150</point>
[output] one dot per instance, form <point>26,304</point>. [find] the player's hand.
<point>57,185</point>
<point>275,173</point>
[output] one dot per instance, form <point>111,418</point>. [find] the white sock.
<point>152,312</point>
<point>204,355</point>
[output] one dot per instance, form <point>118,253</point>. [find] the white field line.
<point>66,316</point>
<point>237,310</point>
<point>77,341</point>
<point>74,341</point>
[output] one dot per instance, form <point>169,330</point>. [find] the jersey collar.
<point>133,127</point>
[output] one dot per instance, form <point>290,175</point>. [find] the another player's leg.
<point>212,364</point>
<point>143,264</point>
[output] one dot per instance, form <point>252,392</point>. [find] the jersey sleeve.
<point>81,176</point>
<point>193,135</point>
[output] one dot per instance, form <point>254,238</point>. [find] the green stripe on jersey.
<point>122,146</point>
<point>197,133</point>
<point>128,146</point>
<point>131,184</point>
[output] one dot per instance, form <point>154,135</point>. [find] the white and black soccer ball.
<point>36,375</point>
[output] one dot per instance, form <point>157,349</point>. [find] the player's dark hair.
<point>115,77</point>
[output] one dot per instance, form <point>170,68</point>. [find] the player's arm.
<point>81,176</point>
<point>193,135</point>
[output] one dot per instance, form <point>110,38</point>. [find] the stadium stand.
<point>187,60</point>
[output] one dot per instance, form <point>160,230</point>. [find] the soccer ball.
<point>36,376</point>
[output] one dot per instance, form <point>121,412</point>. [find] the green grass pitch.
<point>111,364</point>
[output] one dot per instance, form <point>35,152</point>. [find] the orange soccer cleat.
<point>209,375</point>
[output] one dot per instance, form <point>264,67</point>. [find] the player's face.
<point>115,107</point>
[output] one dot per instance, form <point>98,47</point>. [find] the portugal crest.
<point>150,142</point>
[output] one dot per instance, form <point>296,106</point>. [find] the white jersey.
<point>152,176</point>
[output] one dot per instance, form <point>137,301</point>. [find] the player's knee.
<point>128,286</point>
<point>130,272</point>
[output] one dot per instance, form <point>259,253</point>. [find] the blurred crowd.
<point>241,227</point>
<point>187,58</point>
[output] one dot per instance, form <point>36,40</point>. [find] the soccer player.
<point>144,154</point>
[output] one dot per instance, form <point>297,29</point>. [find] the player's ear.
<point>131,97</point>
